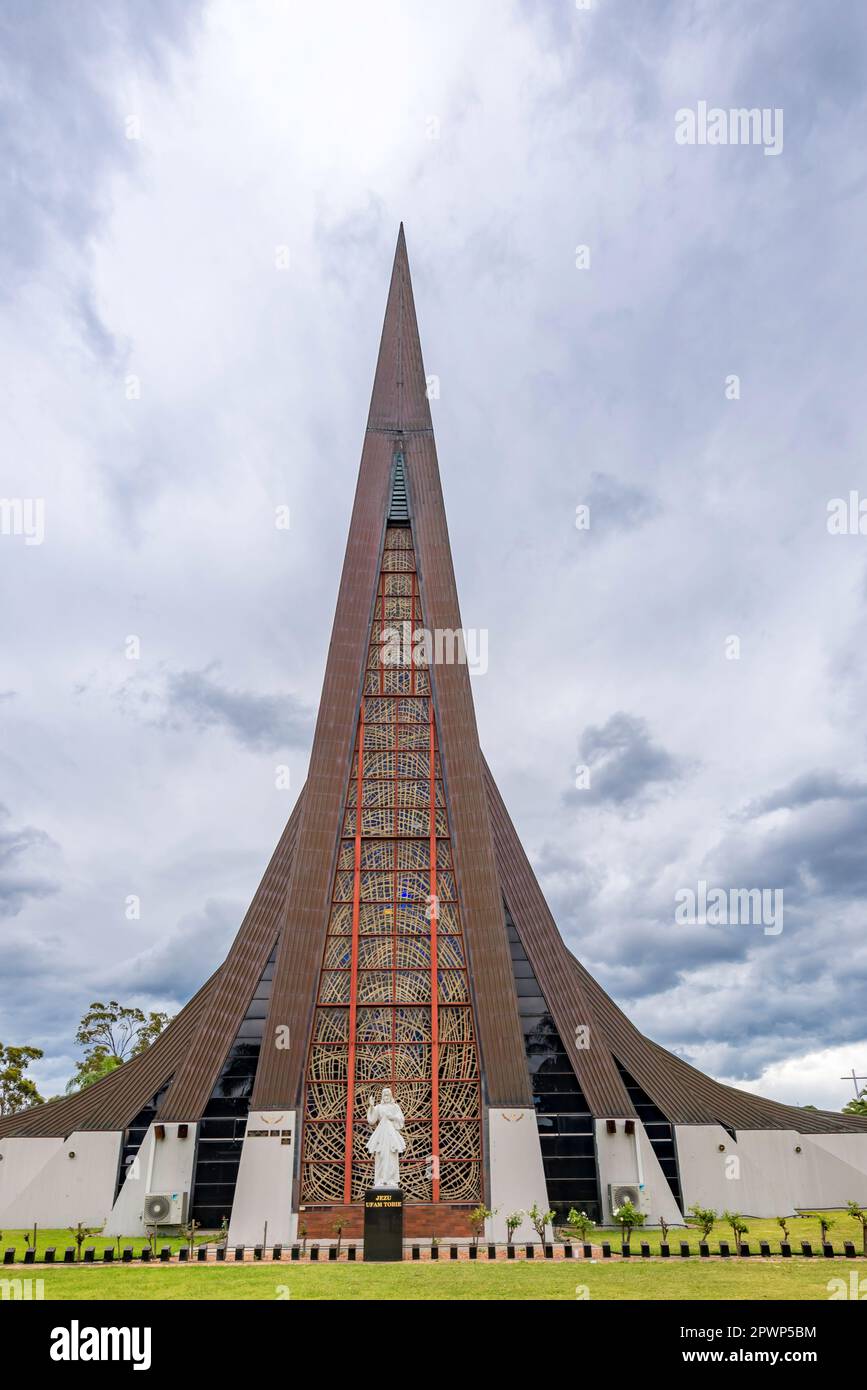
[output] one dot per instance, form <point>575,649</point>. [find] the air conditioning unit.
<point>621,1192</point>
<point>165,1208</point>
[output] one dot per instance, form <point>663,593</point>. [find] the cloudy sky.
<point>201,203</point>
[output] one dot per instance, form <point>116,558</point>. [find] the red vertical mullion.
<point>353,976</point>
<point>381,624</point>
<point>412,596</point>
<point>434,1008</point>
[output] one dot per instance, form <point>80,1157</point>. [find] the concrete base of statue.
<point>383,1223</point>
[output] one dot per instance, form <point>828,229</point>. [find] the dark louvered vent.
<point>135,1132</point>
<point>221,1131</point>
<point>659,1131</point>
<point>398,509</point>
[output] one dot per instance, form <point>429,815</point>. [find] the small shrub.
<point>540,1221</point>
<point>513,1221</point>
<point>580,1222</point>
<point>478,1216</point>
<point>80,1234</point>
<point>738,1226</point>
<point>627,1217</point>
<point>704,1218</point>
<point>858,1213</point>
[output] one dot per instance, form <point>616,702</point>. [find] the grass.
<point>802,1280</point>
<point>760,1228</point>
<point>710,1281</point>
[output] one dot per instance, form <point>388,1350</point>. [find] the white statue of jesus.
<point>386,1142</point>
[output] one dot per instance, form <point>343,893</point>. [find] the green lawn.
<point>793,1279</point>
<point>790,1280</point>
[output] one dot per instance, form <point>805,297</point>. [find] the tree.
<point>92,1068</point>
<point>704,1218</point>
<point>857,1107</point>
<point>783,1223</point>
<point>110,1034</point>
<point>118,1030</point>
<point>17,1091</point>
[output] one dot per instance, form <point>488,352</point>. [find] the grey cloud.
<point>817,853</point>
<point>187,700</point>
<point>626,765</point>
<point>17,884</point>
<point>256,721</point>
<point>617,506</point>
<point>805,791</point>
<point>101,342</point>
<point>26,958</point>
<point>177,965</point>
<point>732,999</point>
<point>17,889</point>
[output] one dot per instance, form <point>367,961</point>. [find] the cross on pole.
<point>854,1079</point>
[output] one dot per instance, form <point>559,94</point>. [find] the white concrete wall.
<point>161,1165</point>
<point>835,1165</point>
<point>40,1183</point>
<point>264,1190</point>
<point>762,1174</point>
<point>20,1161</point>
<point>629,1158</point>
<point>517,1175</point>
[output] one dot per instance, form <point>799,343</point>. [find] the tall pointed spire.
<point>399,435</point>
<point>399,399</point>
